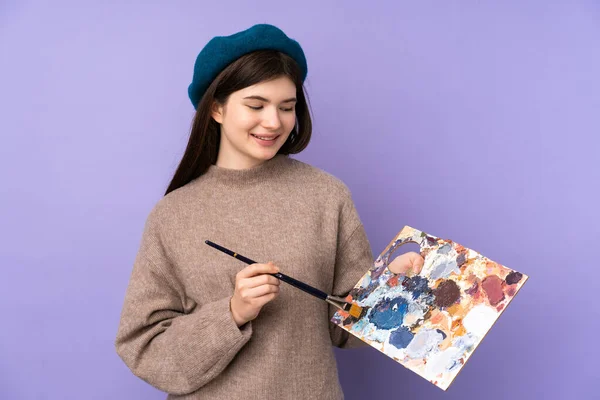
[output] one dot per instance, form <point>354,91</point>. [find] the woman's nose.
<point>271,119</point>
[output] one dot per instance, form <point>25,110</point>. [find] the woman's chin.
<point>264,153</point>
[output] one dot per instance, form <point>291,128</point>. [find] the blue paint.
<point>357,328</point>
<point>445,249</point>
<point>388,314</point>
<point>444,268</point>
<point>416,285</point>
<point>362,293</point>
<point>376,273</point>
<point>401,337</point>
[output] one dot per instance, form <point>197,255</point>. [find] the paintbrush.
<point>354,310</point>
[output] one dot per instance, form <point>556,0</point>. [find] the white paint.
<point>465,342</point>
<point>440,265</point>
<point>424,342</point>
<point>480,319</point>
<point>444,361</point>
<point>378,335</point>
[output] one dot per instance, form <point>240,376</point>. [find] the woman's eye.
<point>261,107</point>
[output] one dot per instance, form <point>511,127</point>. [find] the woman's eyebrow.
<point>267,101</point>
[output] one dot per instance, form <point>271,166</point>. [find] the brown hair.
<point>250,69</point>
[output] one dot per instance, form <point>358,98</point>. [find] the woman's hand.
<point>253,289</point>
<point>409,264</point>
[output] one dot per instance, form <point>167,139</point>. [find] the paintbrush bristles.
<point>355,311</point>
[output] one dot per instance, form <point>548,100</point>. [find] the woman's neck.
<point>238,161</point>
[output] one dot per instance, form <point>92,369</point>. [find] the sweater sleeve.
<point>353,259</point>
<point>166,339</point>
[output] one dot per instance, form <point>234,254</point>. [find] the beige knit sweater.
<point>176,330</point>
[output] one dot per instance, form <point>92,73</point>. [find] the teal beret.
<point>221,51</point>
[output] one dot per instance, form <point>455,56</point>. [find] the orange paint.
<point>436,317</point>
<point>455,309</point>
<point>460,331</point>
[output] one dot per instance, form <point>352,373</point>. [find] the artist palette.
<point>432,322</point>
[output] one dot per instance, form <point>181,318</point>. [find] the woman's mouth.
<point>265,140</point>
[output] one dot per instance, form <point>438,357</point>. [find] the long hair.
<point>203,145</point>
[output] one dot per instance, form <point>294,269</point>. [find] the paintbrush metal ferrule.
<point>338,302</point>
<point>354,310</point>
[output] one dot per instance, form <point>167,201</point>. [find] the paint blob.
<point>492,286</point>
<point>388,314</point>
<point>446,294</point>
<point>401,337</point>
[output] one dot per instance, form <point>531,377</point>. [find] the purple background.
<point>474,121</point>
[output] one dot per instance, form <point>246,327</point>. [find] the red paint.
<point>510,291</point>
<point>492,286</point>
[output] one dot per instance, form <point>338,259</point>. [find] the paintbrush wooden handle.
<point>287,279</point>
<point>301,285</point>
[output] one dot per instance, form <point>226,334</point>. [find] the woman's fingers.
<point>407,263</point>
<point>254,288</point>
<point>259,291</point>
<point>259,280</point>
<point>417,262</point>
<point>257,269</point>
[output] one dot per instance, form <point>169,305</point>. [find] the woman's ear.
<point>216,112</point>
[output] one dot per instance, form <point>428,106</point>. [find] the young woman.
<point>199,324</point>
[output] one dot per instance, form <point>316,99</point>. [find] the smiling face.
<point>255,122</point>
